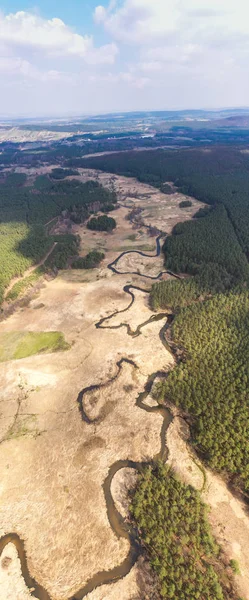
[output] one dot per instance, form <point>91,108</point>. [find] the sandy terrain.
<point>15,134</point>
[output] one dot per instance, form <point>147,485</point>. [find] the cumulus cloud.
<point>28,31</point>
<point>182,42</point>
<point>46,55</point>
<point>141,21</point>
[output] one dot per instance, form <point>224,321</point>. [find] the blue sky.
<point>90,56</point>
<point>76,13</point>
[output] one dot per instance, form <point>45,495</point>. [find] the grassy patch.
<point>141,247</point>
<point>235,566</point>
<point>21,344</point>
<point>24,284</point>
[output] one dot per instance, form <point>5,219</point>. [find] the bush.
<point>165,188</point>
<point>90,261</point>
<point>185,204</point>
<point>102,223</point>
<point>60,173</point>
<point>235,566</point>
<point>202,212</point>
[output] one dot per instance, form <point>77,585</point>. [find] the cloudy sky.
<point>61,57</point>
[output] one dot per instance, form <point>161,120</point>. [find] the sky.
<point>61,58</point>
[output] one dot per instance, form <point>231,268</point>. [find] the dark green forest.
<point>25,211</point>
<point>211,383</point>
<point>173,526</point>
<point>199,247</point>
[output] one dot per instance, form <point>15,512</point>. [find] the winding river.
<point>119,525</point>
<point>112,266</point>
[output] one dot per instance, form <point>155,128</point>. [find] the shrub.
<point>102,223</point>
<point>90,261</point>
<point>185,204</point>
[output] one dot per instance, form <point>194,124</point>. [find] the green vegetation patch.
<point>212,383</point>
<point>20,247</point>
<point>173,526</point>
<point>90,261</point>
<point>60,173</point>
<point>24,212</point>
<point>21,344</point>
<point>185,204</point>
<point>42,183</point>
<point>102,223</point>
<point>16,179</point>
<point>167,189</point>
<point>24,284</point>
<point>67,247</point>
<point>211,240</point>
<point>174,294</point>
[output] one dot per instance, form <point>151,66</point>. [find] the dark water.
<point>13,538</point>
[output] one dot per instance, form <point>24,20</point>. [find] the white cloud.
<point>153,65</point>
<point>28,31</point>
<point>126,77</point>
<point>182,44</point>
<point>100,14</point>
<point>103,55</point>
<point>145,21</point>
<point>46,55</point>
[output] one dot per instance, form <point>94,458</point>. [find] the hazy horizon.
<point>84,116</point>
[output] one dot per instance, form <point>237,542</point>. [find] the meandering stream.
<point>119,525</point>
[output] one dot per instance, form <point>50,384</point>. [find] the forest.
<point>211,383</point>
<point>173,526</point>
<point>202,245</point>
<point>25,211</point>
